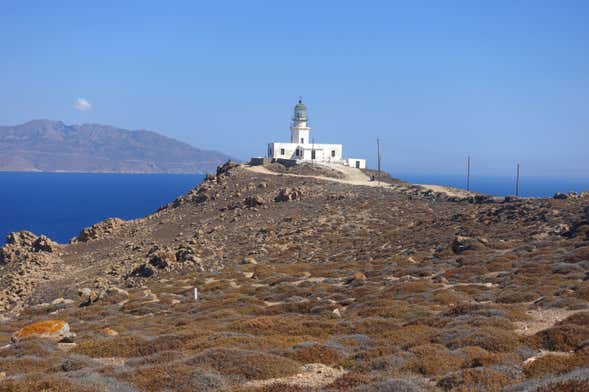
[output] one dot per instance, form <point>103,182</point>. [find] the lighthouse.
<point>302,146</point>
<point>299,131</point>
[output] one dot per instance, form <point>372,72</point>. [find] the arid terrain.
<point>307,279</point>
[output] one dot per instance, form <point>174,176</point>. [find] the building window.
<point>302,140</point>
<point>297,152</point>
<point>282,151</point>
<point>269,151</point>
<point>333,153</point>
<point>312,154</point>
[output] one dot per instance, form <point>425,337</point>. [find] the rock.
<point>109,332</point>
<point>586,211</point>
<point>23,239</point>
<point>253,201</point>
<point>88,296</point>
<point>44,244</point>
<point>287,194</point>
<point>62,301</point>
<point>162,258</point>
<point>226,167</point>
<point>248,260</point>
<point>143,271</point>
<point>337,313</point>
<point>48,329</point>
<point>357,277</point>
<point>2,375</point>
<point>99,230</point>
<point>462,243</point>
<point>561,196</point>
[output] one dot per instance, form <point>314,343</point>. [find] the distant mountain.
<point>52,146</point>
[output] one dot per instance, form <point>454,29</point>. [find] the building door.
<point>357,164</point>
<point>312,154</point>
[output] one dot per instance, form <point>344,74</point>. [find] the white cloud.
<point>82,105</point>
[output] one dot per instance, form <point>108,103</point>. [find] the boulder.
<point>248,260</point>
<point>162,258</point>
<point>560,196</point>
<point>48,329</point>
<point>462,243</point>
<point>253,201</point>
<point>109,332</point>
<point>288,194</point>
<point>23,239</point>
<point>88,296</point>
<point>44,244</point>
<point>99,230</point>
<point>143,271</point>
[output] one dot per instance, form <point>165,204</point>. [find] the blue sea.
<point>503,186</point>
<point>59,205</point>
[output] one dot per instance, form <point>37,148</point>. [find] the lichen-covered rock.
<point>50,329</point>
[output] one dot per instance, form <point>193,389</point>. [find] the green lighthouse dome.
<point>300,111</point>
<point>300,106</point>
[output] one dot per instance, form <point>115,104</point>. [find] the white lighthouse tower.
<point>299,131</point>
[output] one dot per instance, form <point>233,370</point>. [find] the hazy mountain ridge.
<point>52,146</point>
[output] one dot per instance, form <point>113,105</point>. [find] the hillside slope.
<point>307,284</point>
<point>43,145</point>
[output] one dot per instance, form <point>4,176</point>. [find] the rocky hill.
<point>43,145</point>
<point>305,282</point>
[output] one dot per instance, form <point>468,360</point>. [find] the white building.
<point>302,148</point>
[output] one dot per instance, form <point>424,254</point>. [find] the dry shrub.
<point>447,297</point>
<point>244,363</point>
<point>577,319</point>
<point>565,386</point>
<point>45,384</point>
<point>433,360</point>
<point>25,364</point>
<point>177,377</point>
<point>476,357</point>
<point>286,324</point>
<point>554,364</point>
<point>478,379</point>
<point>490,338</point>
<point>348,381</point>
<point>316,353</point>
<point>384,307</point>
<point>512,296</point>
<point>409,335</point>
<point>119,346</point>
<point>565,337</point>
<point>583,291</point>
<point>280,387</point>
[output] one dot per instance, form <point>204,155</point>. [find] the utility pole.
<point>517,181</point>
<point>468,173</point>
<point>378,155</point>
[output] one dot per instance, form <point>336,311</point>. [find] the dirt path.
<point>355,176</point>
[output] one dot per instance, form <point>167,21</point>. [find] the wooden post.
<point>468,174</point>
<point>517,181</point>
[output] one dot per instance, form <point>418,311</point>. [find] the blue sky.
<point>502,81</point>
